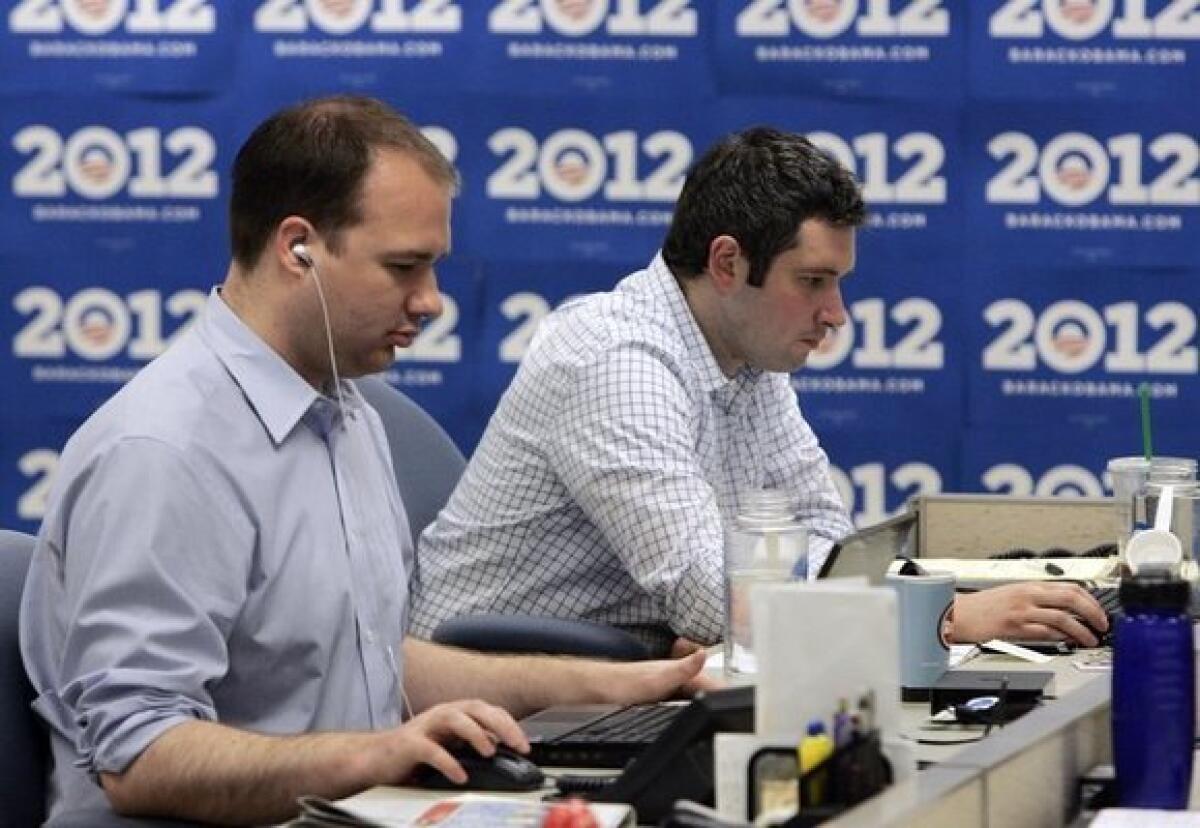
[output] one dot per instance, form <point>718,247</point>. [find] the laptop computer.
<point>870,552</point>
<point>596,735</point>
<point>609,736</point>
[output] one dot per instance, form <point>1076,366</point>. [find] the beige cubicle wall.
<point>976,526</point>
<point>1024,776</point>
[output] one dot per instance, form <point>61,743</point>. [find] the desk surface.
<point>1068,679</point>
<point>915,715</point>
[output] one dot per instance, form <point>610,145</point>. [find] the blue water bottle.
<point>1153,694</point>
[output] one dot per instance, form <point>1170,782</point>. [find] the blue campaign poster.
<point>869,49</point>
<point>1060,461</point>
<point>79,327</point>
<point>584,180</point>
<point>114,231</point>
<point>627,49</point>
<point>1083,185</point>
<point>113,173</point>
<point>1031,170</point>
<point>878,467</point>
<point>1072,347</point>
<point>29,451</point>
<point>366,46</point>
<point>183,47</point>
<point>1084,50</point>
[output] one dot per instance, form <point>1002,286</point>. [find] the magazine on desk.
<point>463,811</point>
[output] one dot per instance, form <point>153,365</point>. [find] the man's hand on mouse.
<point>422,740</point>
<point>1031,611</point>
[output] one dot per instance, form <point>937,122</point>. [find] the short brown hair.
<point>758,186</point>
<point>310,160</point>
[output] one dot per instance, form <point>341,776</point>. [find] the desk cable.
<point>401,696</point>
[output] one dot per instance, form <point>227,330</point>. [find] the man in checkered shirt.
<point>638,416</point>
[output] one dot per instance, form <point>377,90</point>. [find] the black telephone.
<point>679,764</point>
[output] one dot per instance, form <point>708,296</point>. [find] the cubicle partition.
<point>1024,776</point>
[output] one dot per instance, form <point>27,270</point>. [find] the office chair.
<point>428,465</point>
<point>539,634</point>
<point>425,459</point>
<point>23,760</point>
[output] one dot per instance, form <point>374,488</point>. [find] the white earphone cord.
<point>401,696</point>
<point>337,382</point>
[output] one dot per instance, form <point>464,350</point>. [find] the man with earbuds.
<point>214,617</point>
<point>604,482</point>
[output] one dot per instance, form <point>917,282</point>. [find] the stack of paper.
<point>465,811</point>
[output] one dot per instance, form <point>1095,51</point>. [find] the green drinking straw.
<point>1147,446</point>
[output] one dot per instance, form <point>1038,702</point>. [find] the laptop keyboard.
<point>640,723</point>
<point>608,742</point>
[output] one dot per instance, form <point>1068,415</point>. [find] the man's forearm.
<point>522,684</point>
<point>518,683</point>
<point>213,773</point>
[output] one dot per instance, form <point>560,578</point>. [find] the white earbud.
<point>300,251</point>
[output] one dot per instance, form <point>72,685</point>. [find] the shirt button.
<point>370,636</point>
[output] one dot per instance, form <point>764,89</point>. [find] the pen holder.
<point>851,774</point>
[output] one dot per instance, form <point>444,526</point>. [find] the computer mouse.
<point>505,770</point>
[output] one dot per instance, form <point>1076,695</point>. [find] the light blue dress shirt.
<point>219,546</point>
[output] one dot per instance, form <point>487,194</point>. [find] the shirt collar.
<point>278,395</point>
<point>708,372</point>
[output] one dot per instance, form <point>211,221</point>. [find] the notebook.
<point>609,736</point>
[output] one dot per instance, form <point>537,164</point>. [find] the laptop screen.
<point>870,551</point>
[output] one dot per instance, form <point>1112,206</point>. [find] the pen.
<point>866,709</point>
<point>843,728</point>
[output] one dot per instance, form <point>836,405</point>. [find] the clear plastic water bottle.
<point>1129,477</point>
<point>1153,694</point>
<point>766,543</point>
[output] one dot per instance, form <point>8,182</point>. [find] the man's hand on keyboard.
<point>634,682</point>
<point>1030,611</point>
<point>706,681</point>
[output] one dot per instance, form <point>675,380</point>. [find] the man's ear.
<point>724,262</point>
<point>291,231</point>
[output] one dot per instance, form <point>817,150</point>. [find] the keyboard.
<point>610,741</point>
<point>640,723</point>
<point>1109,599</point>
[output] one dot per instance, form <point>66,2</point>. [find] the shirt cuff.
<point>111,734</point>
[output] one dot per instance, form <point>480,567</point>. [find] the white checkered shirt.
<point>601,485</point>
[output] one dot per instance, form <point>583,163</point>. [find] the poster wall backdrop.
<point>1031,166</point>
